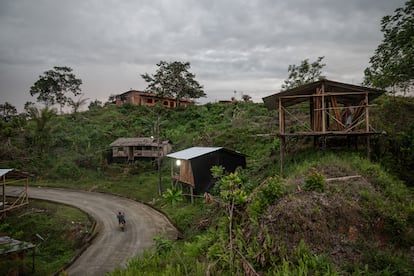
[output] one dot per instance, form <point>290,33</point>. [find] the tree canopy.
<point>173,79</point>
<point>54,85</point>
<point>392,65</point>
<point>7,111</point>
<point>304,73</point>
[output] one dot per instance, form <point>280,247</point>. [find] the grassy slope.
<point>357,226</point>
<point>62,228</point>
<point>80,142</point>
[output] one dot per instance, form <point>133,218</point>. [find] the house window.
<point>149,101</point>
<point>120,148</point>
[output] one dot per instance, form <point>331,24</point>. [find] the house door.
<point>130,153</point>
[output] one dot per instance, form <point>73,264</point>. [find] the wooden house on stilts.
<point>131,149</point>
<point>194,166</point>
<point>328,109</point>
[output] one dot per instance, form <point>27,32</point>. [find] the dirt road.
<point>111,247</point>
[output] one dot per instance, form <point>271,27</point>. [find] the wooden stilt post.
<point>172,173</point>
<point>282,154</point>
<point>4,196</point>
<point>322,91</point>
<point>324,144</point>
<point>366,113</point>
<point>27,189</point>
<point>368,147</point>
<point>192,194</point>
<point>282,138</point>
<point>33,259</point>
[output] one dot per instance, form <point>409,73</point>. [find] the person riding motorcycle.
<point>121,217</point>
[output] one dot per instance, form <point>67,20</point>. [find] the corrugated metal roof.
<point>193,152</point>
<point>141,141</point>
<point>9,245</point>
<point>4,171</point>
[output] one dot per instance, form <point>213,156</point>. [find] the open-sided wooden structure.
<point>11,176</point>
<point>326,108</point>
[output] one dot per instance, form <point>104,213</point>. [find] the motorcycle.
<point>122,225</point>
<point>121,220</point>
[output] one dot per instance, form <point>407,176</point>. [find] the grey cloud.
<point>250,43</point>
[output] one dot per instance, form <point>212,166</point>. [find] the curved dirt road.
<point>111,247</point>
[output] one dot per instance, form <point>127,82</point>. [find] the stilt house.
<point>131,149</point>
<point>323,109</point>
<point>194,164</point>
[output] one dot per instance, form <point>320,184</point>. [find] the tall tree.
<point>392,65</point>
<point>173,79</point>
<point>304,73</point>
<point>54,85</point>
<point>95,104</point>
<point>7,111</point>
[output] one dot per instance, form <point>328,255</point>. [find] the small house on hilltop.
<point>130,149</point>
<point>194,165</point>
<point>136,97</point>
<point>323,109</point>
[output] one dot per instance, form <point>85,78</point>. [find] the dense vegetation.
<point>257,222</point>
<point>57,230</point>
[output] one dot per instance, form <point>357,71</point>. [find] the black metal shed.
<point>195,164</point>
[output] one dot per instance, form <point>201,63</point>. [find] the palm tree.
<point>42,126</point>
<point>77,104</point>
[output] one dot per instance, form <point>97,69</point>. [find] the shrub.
<point>265,195</point>
<point>173,196</point>
<point>315,181</point>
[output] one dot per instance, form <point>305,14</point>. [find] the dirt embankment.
<point>340,223</point>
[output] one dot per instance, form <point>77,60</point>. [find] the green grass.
<point>58,231</point>
<point>143,189</point>
<point>76,158</point>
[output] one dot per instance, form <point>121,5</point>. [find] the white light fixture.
<point>178,162</point>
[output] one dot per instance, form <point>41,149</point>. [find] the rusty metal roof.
<point>142,141</point>
<point>9,245</point>
<point>150,94</point>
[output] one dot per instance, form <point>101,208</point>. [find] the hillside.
<point>299,223</point>
<point>362,222</point>
<point>312,222</point>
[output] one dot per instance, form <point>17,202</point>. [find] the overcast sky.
<point>232,45</point>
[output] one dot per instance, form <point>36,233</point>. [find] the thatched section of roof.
<point>348,94</point>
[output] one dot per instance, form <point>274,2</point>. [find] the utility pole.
<point>160,153</point>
